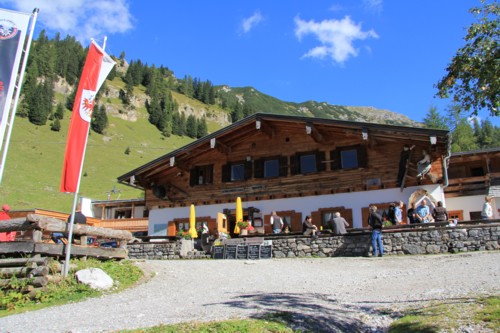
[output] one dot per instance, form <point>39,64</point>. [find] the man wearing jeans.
<point>375,221</point>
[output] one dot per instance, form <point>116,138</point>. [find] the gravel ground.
<point>325,295</point>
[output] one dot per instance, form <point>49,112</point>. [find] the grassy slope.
<point>34,163</point>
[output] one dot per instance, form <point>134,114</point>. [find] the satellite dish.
<point>159,191</point>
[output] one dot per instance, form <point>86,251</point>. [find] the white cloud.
<point>81,18</point>
<point>249,23</point>
<point>337,37</point>
<point>375,5</point>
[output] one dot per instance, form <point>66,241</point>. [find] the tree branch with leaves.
<point>473,76</point>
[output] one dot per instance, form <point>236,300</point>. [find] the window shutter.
<point>283,165</point>
<point>295,164</point>
<point>335,157</point>
<point>320,157</point>
<point>259,168</point>
<point>362,158</point>
<point>193,175</point>
<point>226,173</point>
<point>210,174</point>
<point>248,169</point>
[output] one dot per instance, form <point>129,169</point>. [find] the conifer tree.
<point>191,126</point>
<point>99,119</point>
<point>56,125</point>
<point>59,111</point>
<point>463,138</point>
<point>202,128</point>
<point>434,120</point>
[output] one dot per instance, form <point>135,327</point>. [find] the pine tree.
<point>191,126</point>
<point>463,138</point>
<point>237,113</point>
<point>56,125</point>
<point>182,124</point>
<point>99,119</point>
<point>485,139</point>
<point>202,128</point>
<point>434,120</point>
<point>59,111</point>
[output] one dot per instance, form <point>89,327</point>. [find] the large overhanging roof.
<point>267,122</point>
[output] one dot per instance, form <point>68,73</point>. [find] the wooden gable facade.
<point>472,176</point>
<point>473,172</point>
<point>268,157</point>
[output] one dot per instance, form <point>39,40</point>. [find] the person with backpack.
<point>391,213</point>
<point>375,222</point>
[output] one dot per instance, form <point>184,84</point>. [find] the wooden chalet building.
<point>296,166</point>
<point>473,175</point>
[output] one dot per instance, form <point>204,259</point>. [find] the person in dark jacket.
<point>59,237</point>
<point>439,213</point>
<point>375,222</point>
<point>309,227</point>
<point>411,214</point>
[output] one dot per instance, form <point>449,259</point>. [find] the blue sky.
<point>388,54</point>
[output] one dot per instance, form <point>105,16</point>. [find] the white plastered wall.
<point>304,205</point>
<point>471,203</point>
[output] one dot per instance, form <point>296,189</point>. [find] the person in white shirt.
<point>487,211</point>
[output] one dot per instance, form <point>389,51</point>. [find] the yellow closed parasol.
<point>192,222</point>
<point>239,215</point>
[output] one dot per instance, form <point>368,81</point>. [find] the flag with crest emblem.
<point>97,67</point>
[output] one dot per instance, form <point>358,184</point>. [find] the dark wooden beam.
<point>222,147</point>
<point>316,134</point>
<point>266,128</point>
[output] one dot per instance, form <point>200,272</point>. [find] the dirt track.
<point>326,295</point>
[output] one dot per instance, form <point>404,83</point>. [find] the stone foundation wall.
<point>408,242</point>
<point>180,249</point>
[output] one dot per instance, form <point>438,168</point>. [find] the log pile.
<point>32,275</point>
<point>37,225</point>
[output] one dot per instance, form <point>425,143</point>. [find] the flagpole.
<point>75,202</point>
<point>12,116</point>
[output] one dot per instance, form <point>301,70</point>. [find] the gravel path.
<point>329,295</point>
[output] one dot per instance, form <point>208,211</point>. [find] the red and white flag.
<point>97,67</point>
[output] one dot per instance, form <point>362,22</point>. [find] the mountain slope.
<point>260,102</point>
<point>33,169</point>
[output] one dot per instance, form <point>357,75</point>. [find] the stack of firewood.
<point>29,275</point>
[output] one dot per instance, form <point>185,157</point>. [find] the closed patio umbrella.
<point>192,222</point>
<point>239,215</point>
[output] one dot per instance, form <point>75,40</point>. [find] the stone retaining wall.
<point>407,242</point>
<point>180,249</point>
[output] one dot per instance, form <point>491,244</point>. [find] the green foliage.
<point>127,151</point>
<point>191,126</point>
<point>99,119</point>
<point>463,138</point>
<point>490,313</point>
<point>123,273</point>
<point>56,125</point>
<point>226,326</point>
<point>448,316</point>
<point>202,129</point>
<point>472,76</point>
<point>59,111</point>
<point>434,120</point>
